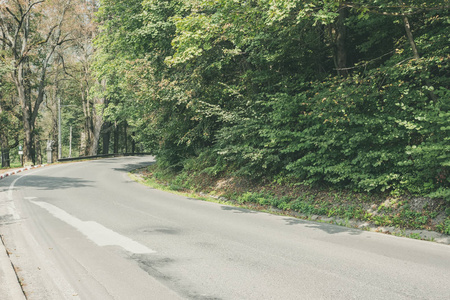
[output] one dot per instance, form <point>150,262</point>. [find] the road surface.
<point>86,231</point>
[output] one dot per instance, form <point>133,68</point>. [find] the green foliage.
<point>443,193</point>
<point>397,138</point>
<point>252,89</point>
<point>444,227</point>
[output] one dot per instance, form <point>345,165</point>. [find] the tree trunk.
<point>106,137</point>
<point>28,124</point>
<point>97,123</point>
<point>125,128</point>
<point>97,126</point>
<point>38,152</point>
<point>93,121</point>
<point>5,153</point>
<point>85,135</point>
<point>116,137</point>
<point>28,143</point>
<point>4,145</point>
<point>319,55</point>
<point>83,143</point>
<point>416,52</point>
<point>341,35</point>
<point>410,37</point>
<point>133,143</point>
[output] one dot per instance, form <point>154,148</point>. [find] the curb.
<point>4,175</point>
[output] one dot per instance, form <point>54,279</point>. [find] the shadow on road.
<point>160,230</point>
<point>238,210</point>
<point>52,183</point>
<point>328,228</point>
<point>131,167</point>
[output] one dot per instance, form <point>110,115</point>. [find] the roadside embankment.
<point>401,215</point>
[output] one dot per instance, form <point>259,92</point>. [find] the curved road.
<point>86,231</point>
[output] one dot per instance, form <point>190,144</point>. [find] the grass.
<point>14,165</point>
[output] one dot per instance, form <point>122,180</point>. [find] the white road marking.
<point>96,232</point>
<point>11,188</point>
<point>11,206</point>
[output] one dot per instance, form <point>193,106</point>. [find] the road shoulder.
<point>10,287</point>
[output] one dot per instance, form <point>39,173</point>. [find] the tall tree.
<point>91,102</point>
<point>31,32</point>
<point>9,116</point>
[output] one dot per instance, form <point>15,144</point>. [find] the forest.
<point>345,94</point>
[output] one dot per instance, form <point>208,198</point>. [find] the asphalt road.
<point>86,231</point>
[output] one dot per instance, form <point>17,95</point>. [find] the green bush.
<point>444,227</point>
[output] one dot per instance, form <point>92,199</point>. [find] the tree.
<point>82,59</point>
<point>133,41</point>
<point>9,117</point>
<point>31,31</point>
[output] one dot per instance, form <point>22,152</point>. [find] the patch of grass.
<point>415,236</point>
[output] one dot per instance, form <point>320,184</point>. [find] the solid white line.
<point>11,206</point>
<point>96,232</point>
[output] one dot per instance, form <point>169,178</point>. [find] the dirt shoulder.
<point>401,215</point>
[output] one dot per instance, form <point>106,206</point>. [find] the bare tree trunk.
<point>416,51</point>
<point>98,122</point>
<point>84,147</point>
<point>410,37</point>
